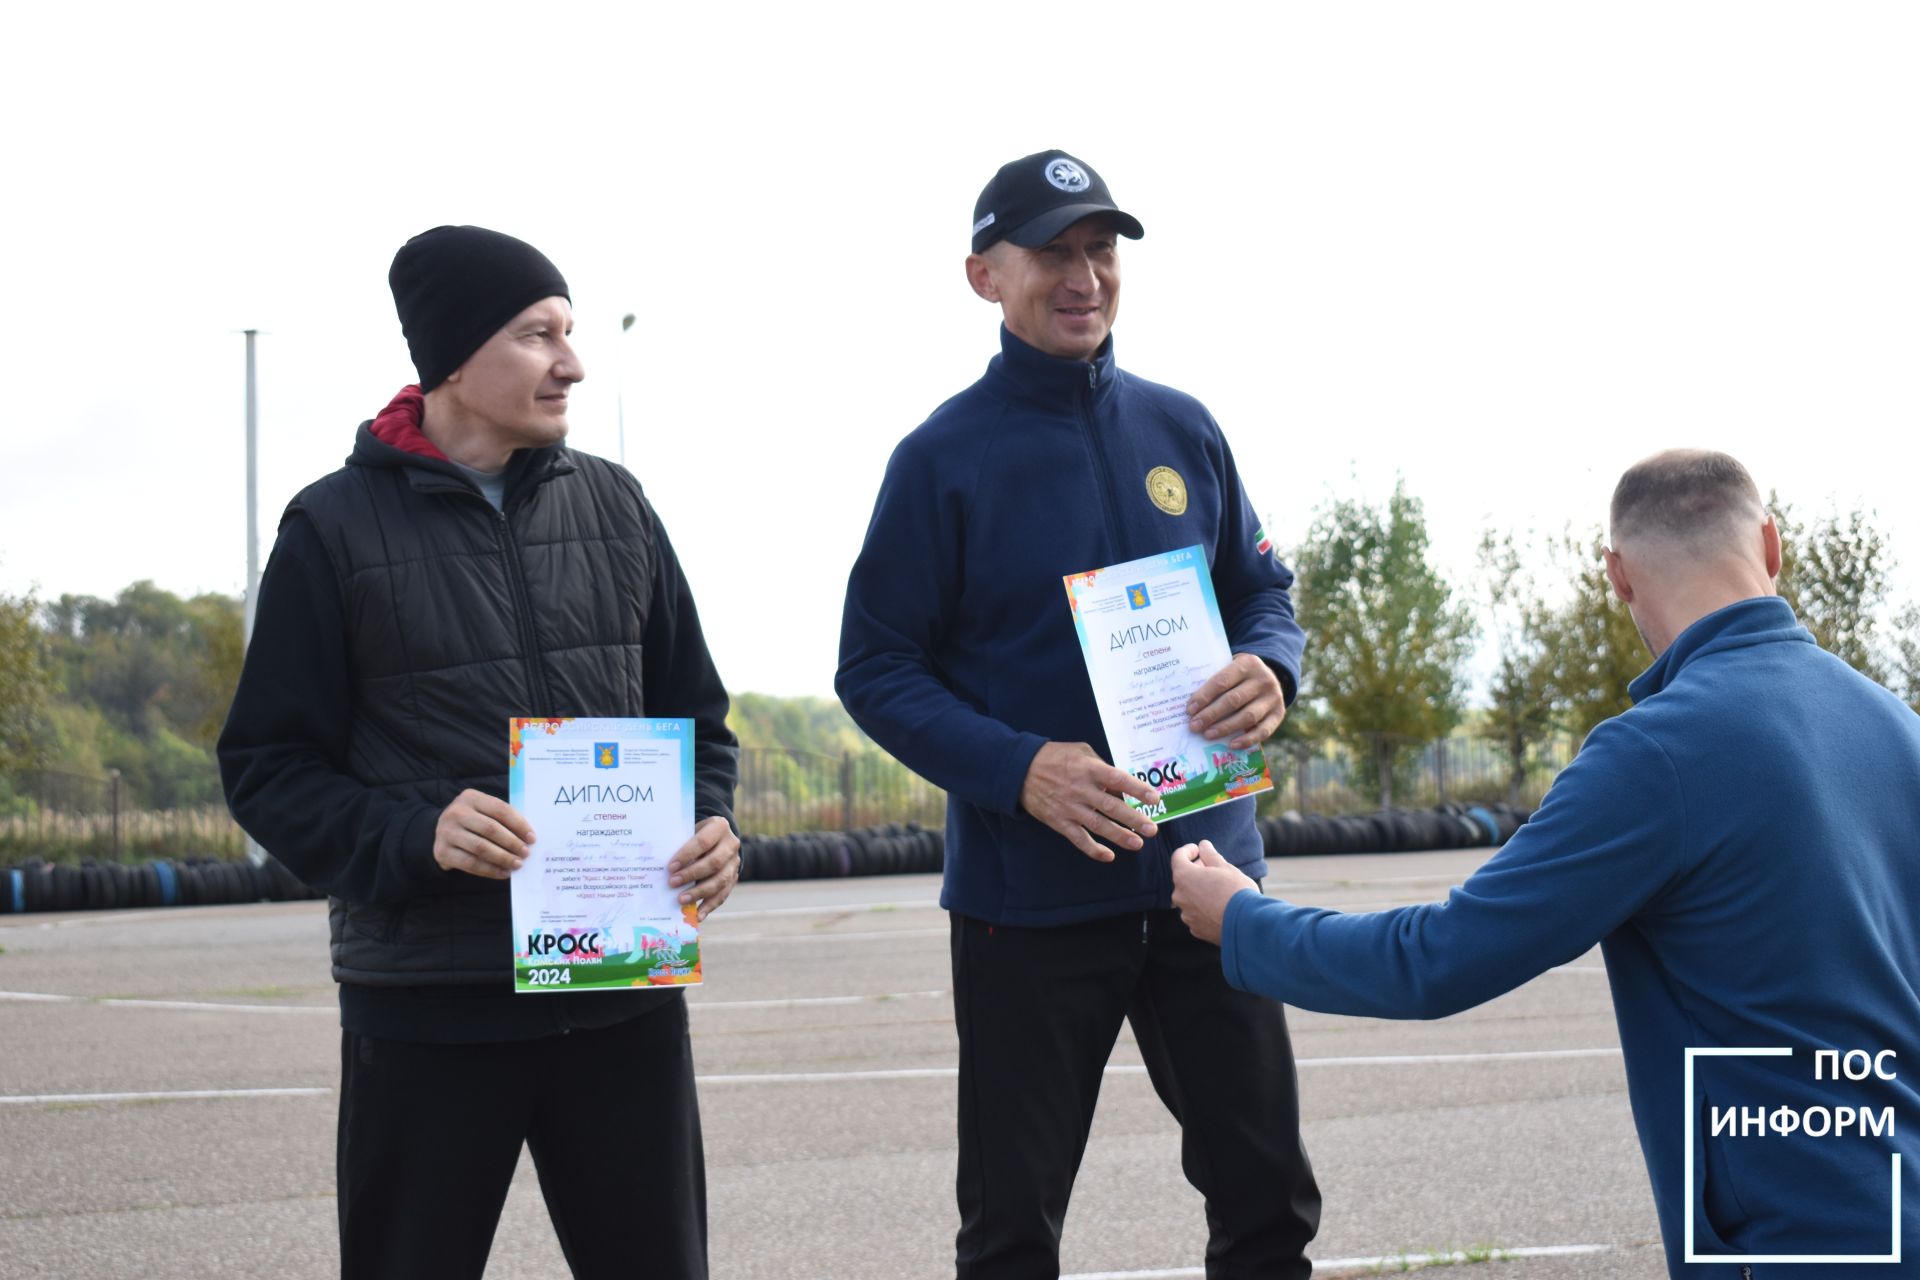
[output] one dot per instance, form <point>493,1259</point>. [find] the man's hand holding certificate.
<point>1243,701</point>
<point>1167,685</point>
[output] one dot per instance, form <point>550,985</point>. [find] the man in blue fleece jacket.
<point>958,654</point>
<point>1742,845</point>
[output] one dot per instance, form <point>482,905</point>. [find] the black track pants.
<point>430,1134</point>
<point>1038,1011</point>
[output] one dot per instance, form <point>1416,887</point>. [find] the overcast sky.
<point>1502,250</point>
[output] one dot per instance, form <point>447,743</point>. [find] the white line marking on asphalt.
<point>838,908</point>
<point>1400,1261</point>
<point>799,1001</point>
<point>832,1077</point>
<point>826,1077</point>
<point>204,1006</point>
<point>1429,1059</point>
<point>1134,1069</point>
<point>1435,878</point>
<point>43,1099</point>
<point>209,1006</point>
<point>728,940</point>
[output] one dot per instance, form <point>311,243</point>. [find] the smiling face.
<point>1060,298</point>
<point>512,392</point>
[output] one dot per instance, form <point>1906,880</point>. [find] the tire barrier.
<point>1451,826</point>
<point>895,849</point>
<point>107,886</point>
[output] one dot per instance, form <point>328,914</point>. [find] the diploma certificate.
<point>610,802</point>
<point>1151,634</point>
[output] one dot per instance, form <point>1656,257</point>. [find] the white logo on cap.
<point>1066,175</point>
<point>983,224</point>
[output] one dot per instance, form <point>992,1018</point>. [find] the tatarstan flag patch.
<point>1261,542</point>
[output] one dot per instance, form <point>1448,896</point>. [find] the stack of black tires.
<point>105,886</point>
<point>1451,826</point>
<point>895,849</point>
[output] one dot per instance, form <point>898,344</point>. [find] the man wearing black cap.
<point>958,654</point>
<point>462,568</point>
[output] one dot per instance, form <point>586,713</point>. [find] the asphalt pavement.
<point>1498,1140</point>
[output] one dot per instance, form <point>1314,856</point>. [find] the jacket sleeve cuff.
<point>1012,775</point>
<point>701,812</point>
<point>416,851</point>
<point>1289,683</point>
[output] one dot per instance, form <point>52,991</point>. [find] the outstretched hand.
<point>1071,789</point>
<point>1203,882</point>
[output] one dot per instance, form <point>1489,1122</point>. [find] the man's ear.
<point>1770,547</point>
<point>1617,575</point>
<point>980,276</point>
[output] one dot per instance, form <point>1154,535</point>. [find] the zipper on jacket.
<point>537,685</point>
<point>1110,505</point>
<point>523,605</point>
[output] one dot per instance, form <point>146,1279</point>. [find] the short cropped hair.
<point>1694,496</point>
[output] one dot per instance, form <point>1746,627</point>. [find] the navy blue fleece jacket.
<point>957,649</point>
<point>1744,845</point>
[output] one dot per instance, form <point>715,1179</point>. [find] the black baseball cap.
<point>1033,199</point>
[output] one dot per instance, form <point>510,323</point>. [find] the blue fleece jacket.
<point>1744,844</point>
<point>957,649</point>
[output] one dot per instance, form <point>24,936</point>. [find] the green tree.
<point>26,683</point>
<point>1593,650</point>
<point>1833,571</point>
<point>1387,644</point>
<point>147,679</point>
<point>1521,692</point>
<point>1905,666</point>
<point>817,726</point>
<point>220,647</point>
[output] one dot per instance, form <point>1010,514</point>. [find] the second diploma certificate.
<point>1151,634</point>
<point>610,802</point>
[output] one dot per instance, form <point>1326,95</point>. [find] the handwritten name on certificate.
<point>610,802</point>
<point>1151,634</point>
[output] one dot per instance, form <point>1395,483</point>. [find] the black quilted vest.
<point>458,617</point>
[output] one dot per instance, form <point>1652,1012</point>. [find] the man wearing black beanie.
<point>462,568</point>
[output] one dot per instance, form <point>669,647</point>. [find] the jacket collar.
<point>1028,373</point>
<point>394,439</point>
<point>1759,620</point>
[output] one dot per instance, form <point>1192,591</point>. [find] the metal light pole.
<point>620,384</point>
<point>255,854</point>
<point>253,488</point>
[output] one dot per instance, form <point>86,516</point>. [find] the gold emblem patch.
<point>1168,490</point>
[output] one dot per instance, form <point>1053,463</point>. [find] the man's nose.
<point>1080,275</point>
<point>568,367</point>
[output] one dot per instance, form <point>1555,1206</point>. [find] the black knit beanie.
<point>454,287</point>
